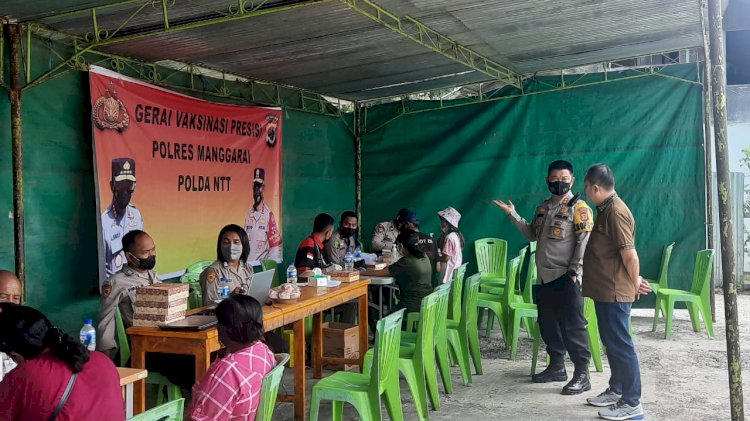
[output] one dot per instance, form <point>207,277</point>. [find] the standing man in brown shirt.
<point>611,278</point>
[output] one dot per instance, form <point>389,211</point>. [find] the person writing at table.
<point>231,387</point>
<point>232,250</point>
<point>311,251</point>
<point>412,272</point>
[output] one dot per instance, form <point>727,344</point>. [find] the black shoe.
<point>553,373</point>
<point>579,384</point>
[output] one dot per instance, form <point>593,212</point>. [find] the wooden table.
<point>128,376</point>
<point>201,344</point>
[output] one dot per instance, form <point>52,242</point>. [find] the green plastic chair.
<point>193,272</point>
<point>697,299</point>
<point>416,360</point>
<point>361,390</point>
<point>531,279</point>
<point>498,290</point>
<point>592,328</point>
<point>454,307</point>
<point>269,389</point>
<point>492,254</point>
<point>517,310</point>
<point>171,411</point>
<point>154,378</point>
<point>663,273</point>
<point>493,301</point>
<point>463,336</point>
<point>268,264</point>
<point>195,297</point>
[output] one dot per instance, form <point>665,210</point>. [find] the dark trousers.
<point>614,329</point>
<point>563,327</point>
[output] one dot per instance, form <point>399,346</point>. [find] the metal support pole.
<point>708,146</point>
<point>13,33</point>
<point>719,87</point>
<point>358,161</point>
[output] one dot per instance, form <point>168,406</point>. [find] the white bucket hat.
<point>451,215</point>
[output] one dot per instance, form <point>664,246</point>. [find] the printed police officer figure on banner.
<point>121,216</point>
<point>260,224</point>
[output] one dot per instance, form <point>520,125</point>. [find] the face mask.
<point>231,252</point>
<point>348,232</point>
<point>558,188</point>
<point>147,263</point>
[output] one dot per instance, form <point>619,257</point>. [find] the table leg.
<point>363,326</point>
<point>202,362</point>
<point>129,399</point>
<point>300,412</point>
<point>317,345</point>
<point>138,360</point>
<point>380,301</point>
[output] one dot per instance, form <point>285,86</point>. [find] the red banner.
<point>180,169</point>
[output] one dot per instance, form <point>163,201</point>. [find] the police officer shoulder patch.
<point>379,229</point>
<point>106,290</point>
<point>211,276</point>
<point>583,218</point>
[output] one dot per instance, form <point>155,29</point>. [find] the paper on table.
<point>333,284</point>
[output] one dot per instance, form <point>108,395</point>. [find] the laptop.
<point>261,285</point>
<point>191,323</point>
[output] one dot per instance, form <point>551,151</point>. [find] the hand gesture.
<point>644,288</point>
<point>506,207</point>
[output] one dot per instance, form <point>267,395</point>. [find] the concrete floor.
<point>683,379</point>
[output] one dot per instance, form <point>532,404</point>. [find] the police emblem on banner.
<point>271,129</point>
<point>109,112</point>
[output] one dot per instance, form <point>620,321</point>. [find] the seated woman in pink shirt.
<point>230,390</point>
<point>49,363</point>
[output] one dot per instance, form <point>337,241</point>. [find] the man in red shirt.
<point>310,254</point>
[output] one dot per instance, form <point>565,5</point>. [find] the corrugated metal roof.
<point>332,49</point>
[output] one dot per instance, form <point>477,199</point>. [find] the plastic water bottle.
<point>358,252</point>
<point>348,260</point>
<point>223,288</point>
<point>394,253</point>
<point>291,274</point>
<point>88,335</point>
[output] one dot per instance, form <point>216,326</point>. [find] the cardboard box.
<point>345,275</point>
<point>341,340</point>
<point>160,303</point>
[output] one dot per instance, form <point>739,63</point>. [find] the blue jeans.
<point>614,326</point>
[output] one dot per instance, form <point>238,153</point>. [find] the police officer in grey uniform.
<point>342,239</point>
<point>385,235</point>
<point>561,228</point>
<point>260,224</point>
<point>231,263</point>
<point>118,291</point>
<point>120,217</point>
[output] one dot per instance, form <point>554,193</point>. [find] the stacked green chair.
<point>492,254</point>
<point>463,336</point>
<point>364,391</point>
<point>268,264</point>
<point>269,389</point>
<point>171,411</point>
<point>697,299</point>
<point>154,378</point>
<point>416,358</point>
<point>192,277</point>
<point>493,301</point>
<point>498,291</point>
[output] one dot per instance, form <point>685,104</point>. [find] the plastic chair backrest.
<point>269,389</point>
<point>704,264</point>
<point>428,320</point>
<point>193,272</point>
<point>666,254</point>
<point>509,293</point>
<point>532,246</point>
<point>492,254</point>
<point>268,264</point>
<point>471,297</point>
<point>456,289</point>
<point>444,292</point>
<point>385,357</point>
<point>170,411</point>
<point>531,280</point>
<point>122,339</point>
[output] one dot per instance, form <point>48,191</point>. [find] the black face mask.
<point>348,232</point>
<point>558,188</point>
<point>147,263</point>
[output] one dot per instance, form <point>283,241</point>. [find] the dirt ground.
<point>683,379</point>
